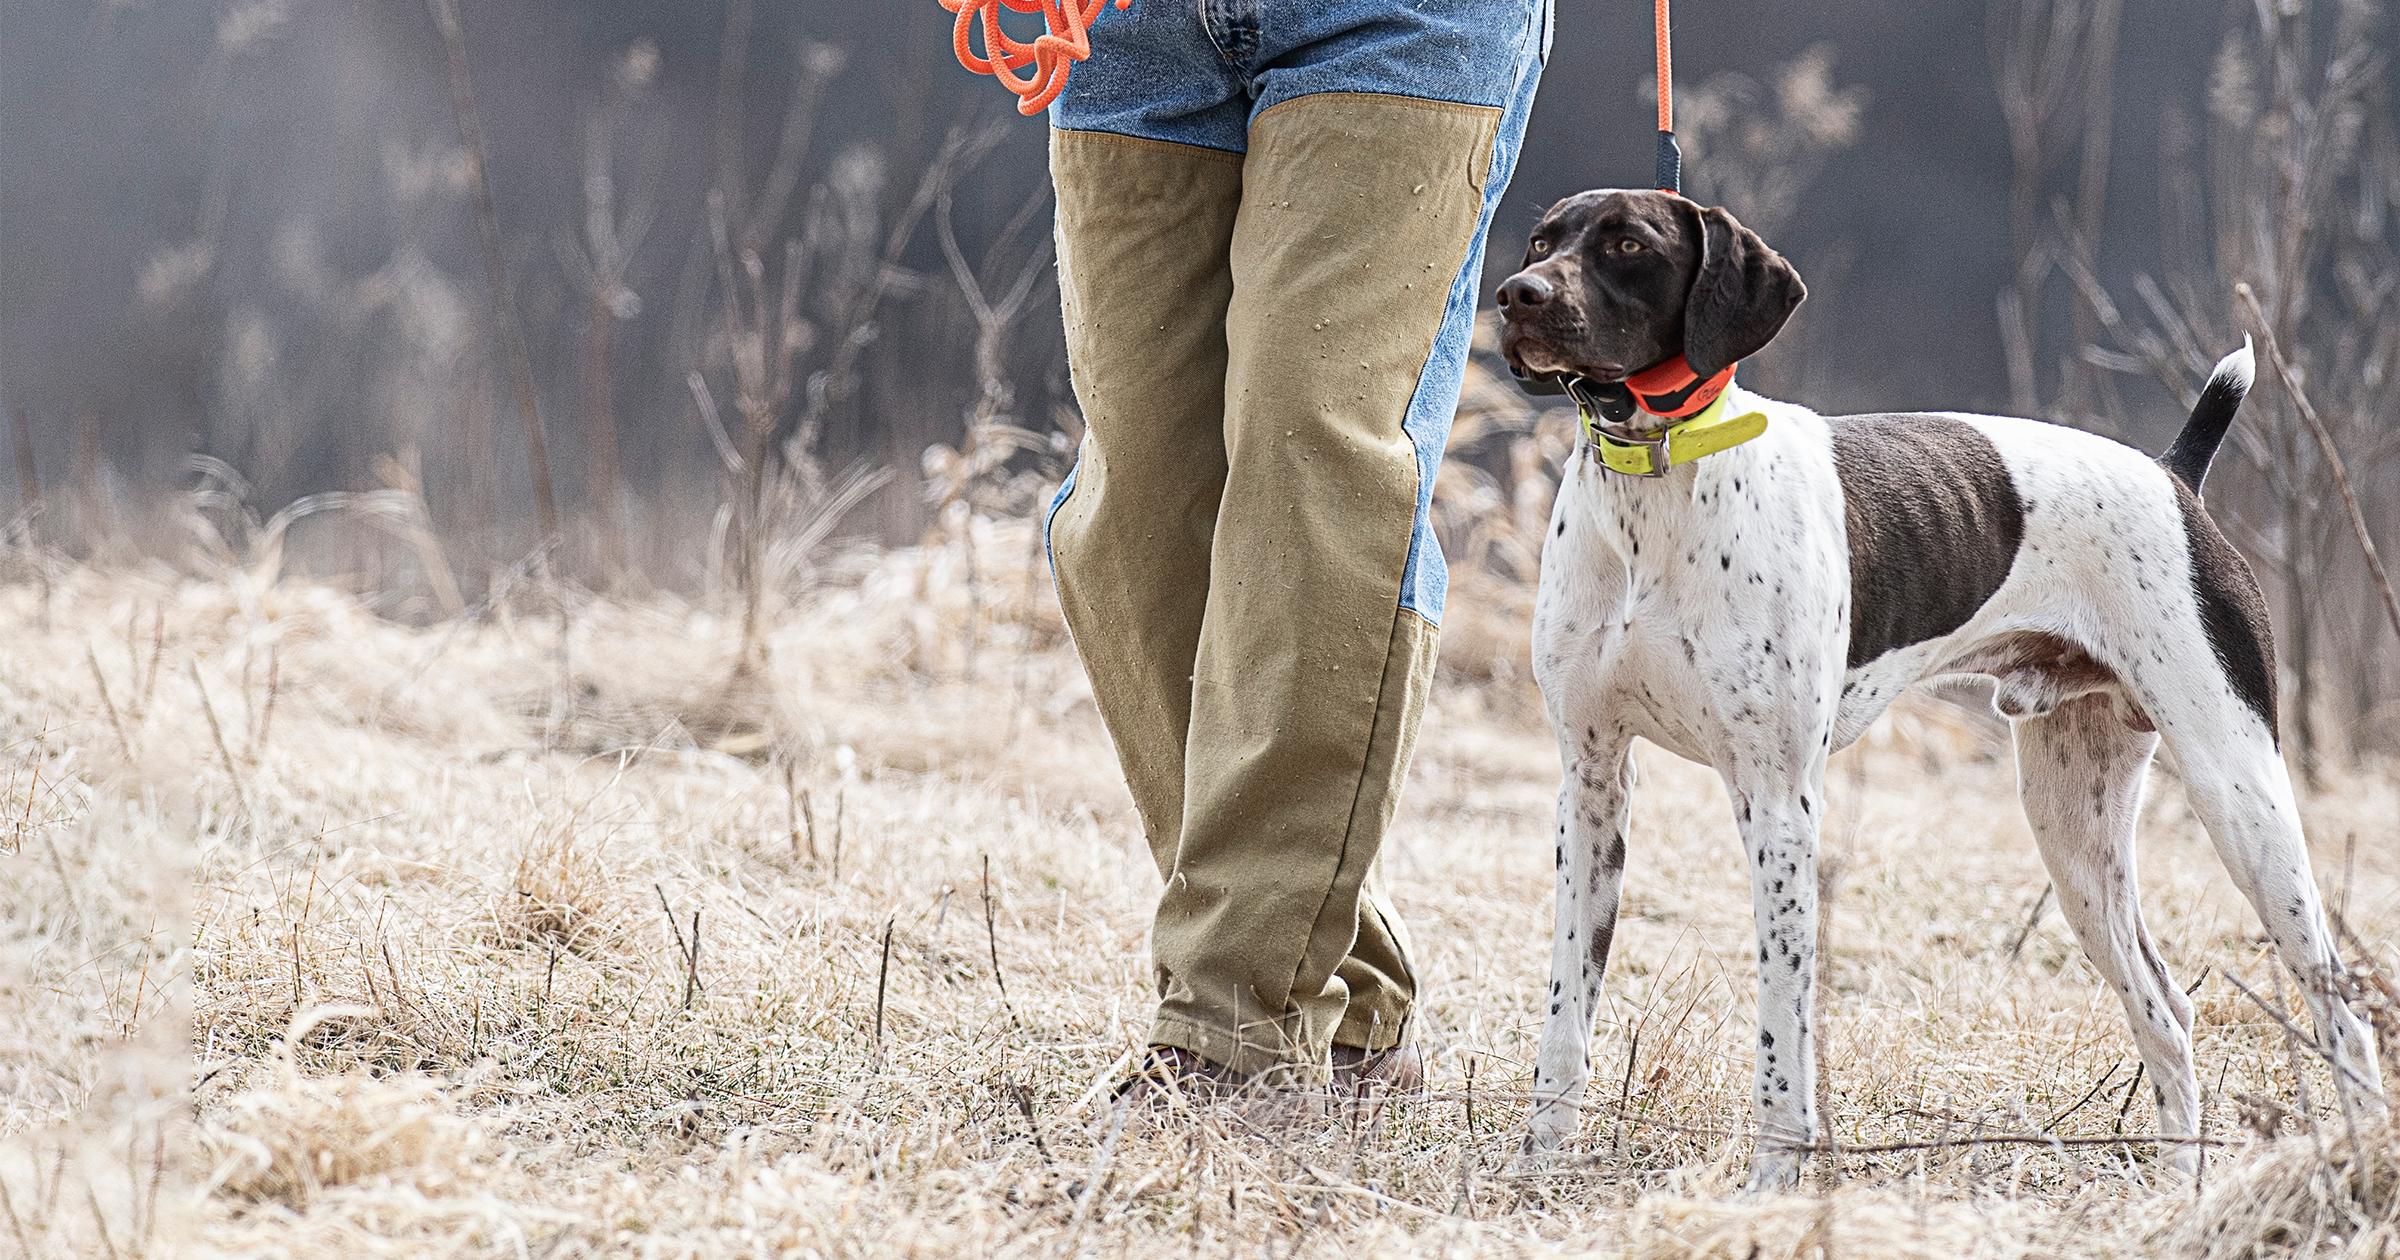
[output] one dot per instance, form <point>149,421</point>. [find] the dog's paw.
<point>1535,1160</point>
<point>1773,1171</point>
<point>1546,1136</point>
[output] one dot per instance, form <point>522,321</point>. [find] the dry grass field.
<point>550,932</point>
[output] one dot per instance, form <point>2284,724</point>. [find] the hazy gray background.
<point>116,118</point>
<point>243,230</point>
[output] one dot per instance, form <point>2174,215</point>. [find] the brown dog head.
<point>1618,281</point>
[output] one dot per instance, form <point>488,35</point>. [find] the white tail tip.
<point>2239,369</point>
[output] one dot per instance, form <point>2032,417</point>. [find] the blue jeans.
<point>1197,71</point>
<point>1270,232</point>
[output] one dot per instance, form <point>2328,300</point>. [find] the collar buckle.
<point>1660,461</point>
<point>1611,439</point>
<point>1604,429</point>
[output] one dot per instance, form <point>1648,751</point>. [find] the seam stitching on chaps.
<point>1172,146</point>
<point>1358,793</point>
<point>1403,98</point>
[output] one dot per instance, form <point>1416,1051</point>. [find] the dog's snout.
<point>1525,290</point>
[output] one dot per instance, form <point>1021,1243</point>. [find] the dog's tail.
<point>2211,416</point>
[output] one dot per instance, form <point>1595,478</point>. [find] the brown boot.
<point>1399,1070</point>
<point>1167,1072</point>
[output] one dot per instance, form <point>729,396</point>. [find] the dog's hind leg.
<point>2080,771</point>
<point>1594,802</point>
<point>2205,677</point>
<point>2238,786</point>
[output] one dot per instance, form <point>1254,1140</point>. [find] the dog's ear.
<point>1741,297</point>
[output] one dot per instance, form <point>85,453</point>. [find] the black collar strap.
<point>1672,390</point>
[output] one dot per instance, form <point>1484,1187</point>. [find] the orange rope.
<point>1052,54</point>
<point>1666,70</point>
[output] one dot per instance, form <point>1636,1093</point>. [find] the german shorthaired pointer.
<point>1756,609</point>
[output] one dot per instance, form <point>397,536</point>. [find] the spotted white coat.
<point>1709,612</point>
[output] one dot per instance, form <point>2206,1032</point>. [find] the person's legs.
<point>1144,156</point>
<point>1383,136</point>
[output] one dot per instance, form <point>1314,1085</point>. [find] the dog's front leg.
<point>1778,816</point>
<point>1594,797</point>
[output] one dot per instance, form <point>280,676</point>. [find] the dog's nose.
<point>1525,289</point>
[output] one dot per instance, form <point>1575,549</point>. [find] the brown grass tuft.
<point>2306,1195</point>
<point>292,1143</point>
<point>565,893</point>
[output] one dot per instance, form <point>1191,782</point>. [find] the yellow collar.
<point>1716,428</point>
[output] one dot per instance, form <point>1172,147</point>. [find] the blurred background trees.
<point>720,282</point>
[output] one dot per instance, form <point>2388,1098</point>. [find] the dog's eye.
<point>1541,248</point>
<point>1626,245</point>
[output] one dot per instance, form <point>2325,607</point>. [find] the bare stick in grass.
<point>107,705</point>
<point>216,731</point>
<point>691,972</point>
<point>686,952</point>
<point>1625,1089</point>
<point>673,925</point>
<point>91,1199</point>
<point>991,937</point>
<point>2033,919</point>
<point>266,712</point>
<point>840,821</point>
<point>1033,1127</point>
<point>147,670</point>
<point>798,816</point>
<point>2125,1104</point>
<point>2021,1139</point>
<point>1462,1203</point>
<point>883,980</point>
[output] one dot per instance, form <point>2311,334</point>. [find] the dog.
<point>1756,608</point>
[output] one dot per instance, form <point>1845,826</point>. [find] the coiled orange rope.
<point>1051,54</point>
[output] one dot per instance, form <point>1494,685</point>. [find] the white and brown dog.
<point>1755,610</point>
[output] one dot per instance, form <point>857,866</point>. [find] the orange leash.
<point>1670,156</point>
<point>1052,54</point>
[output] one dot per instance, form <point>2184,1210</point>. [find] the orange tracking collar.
<point>1674,390</point>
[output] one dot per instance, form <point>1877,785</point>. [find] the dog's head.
<point>1618,281</point>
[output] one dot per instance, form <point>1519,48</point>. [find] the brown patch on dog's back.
<point>1933,519</point>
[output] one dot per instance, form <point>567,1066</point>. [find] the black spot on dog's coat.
<point>2232,610</point>
<point>1934,522</point>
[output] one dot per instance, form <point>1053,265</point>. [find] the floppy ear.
<point>1741,297</point>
